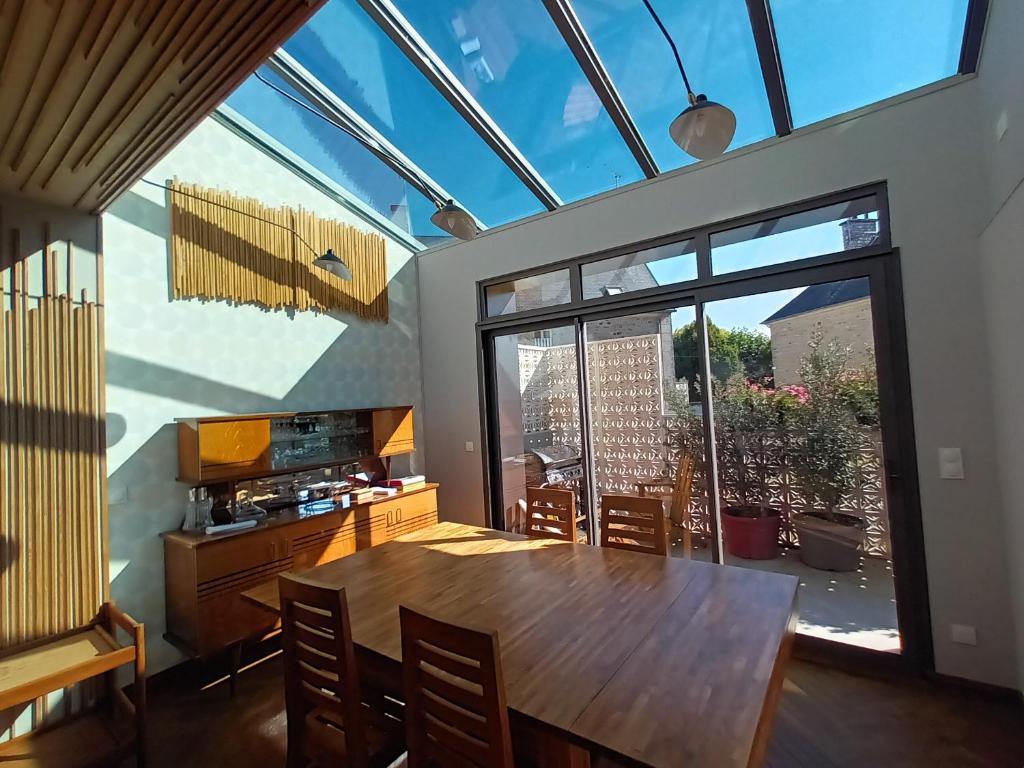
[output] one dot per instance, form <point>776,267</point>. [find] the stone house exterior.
<point>841,310</point>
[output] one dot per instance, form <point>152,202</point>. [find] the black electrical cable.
<point>371,145</point>
<point>671,42</point>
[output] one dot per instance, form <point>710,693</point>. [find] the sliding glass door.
<point>539,436</point>
<point>645,419</point>
<point>800,453</point>
<point>754,377</point>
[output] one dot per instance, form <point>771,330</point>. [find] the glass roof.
<point>512,58</point>
<point>839,55</point>
<point>717,48</point>
<point>513,61</point>
<point>334,153</point>
<point>343,48</point>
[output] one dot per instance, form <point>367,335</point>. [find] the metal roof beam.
<point>771,64</point>
<point>416,49</point>
<point>576,37</point>
<point>285,66</point>
<point>974,32</point>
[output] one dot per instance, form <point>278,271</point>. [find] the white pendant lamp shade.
<point>334,265</point>
<point>455,221</point>
<point>704,129</point>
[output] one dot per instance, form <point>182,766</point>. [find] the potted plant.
<point>825,460</point>
<point>749,421</point>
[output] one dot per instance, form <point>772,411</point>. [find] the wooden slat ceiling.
<point>94,92</point>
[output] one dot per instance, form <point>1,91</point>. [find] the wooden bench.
<point>103,736</point>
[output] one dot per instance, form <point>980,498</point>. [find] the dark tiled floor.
<point>826,719</point>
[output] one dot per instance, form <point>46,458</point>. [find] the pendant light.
<point>704,129</point>
<point>455,221</point>
<point>333,264</point>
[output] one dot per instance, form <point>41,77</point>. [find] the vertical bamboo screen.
<point>221,250</point>
<point>52,575</point>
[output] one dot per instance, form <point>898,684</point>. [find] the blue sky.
<point>837,55</point>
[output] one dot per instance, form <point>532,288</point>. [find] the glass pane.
<point>526,293</point>
<point>333,153</point>
<point>834,228</point>
<point>344,49</point>
<point>646,425</point>
<point>717,47</point>
<point>839,55</point>
<point>513,60</point>
<point>799,447</point>
<point>537,393</point>
<point>663,265</point>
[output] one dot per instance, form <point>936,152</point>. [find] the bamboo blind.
<point>221,250</point>
<point>52,572</point>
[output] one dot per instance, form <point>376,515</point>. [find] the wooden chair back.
<point>322,695</point>
<point>679,507</point>
<point>636,523</point>
<point>455,711</point>
<point>551,514</point>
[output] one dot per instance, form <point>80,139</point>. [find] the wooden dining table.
<point>655,660</point>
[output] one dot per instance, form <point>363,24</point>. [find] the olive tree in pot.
<point>824,458</point>
<point>751,437</point>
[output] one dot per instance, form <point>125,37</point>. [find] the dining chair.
<point>636,523</point>
<point>328,722</point>
<point>680,488</point>
<point>551,514</point>
<point>455,711</point>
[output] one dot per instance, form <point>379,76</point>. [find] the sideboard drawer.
<point>240,553</point>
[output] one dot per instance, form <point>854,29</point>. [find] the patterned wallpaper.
<point>168,359</point>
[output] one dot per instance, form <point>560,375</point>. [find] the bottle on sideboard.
<point>204,507</point>
<point>191,512</point>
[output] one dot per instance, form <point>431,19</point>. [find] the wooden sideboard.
<point>205,574</point>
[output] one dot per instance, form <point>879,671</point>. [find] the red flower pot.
<point>750,532</point>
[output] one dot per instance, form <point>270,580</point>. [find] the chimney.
<point>859,232</point>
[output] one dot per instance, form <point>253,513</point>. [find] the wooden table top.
<point>666,661</point>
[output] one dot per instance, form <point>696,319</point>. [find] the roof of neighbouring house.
<point>823,295</point>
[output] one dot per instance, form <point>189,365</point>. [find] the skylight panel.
<point>514,61</point>
<point>344,49</point>
<point>839,55</point>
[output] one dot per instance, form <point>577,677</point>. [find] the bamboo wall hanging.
<point>52,453</point>
<point>221,250</point>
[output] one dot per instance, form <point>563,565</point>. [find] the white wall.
<point>1002,267</point>
<point>926,147</point>
<point>168,359</point>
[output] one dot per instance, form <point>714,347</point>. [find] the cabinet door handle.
<point>399,512</point>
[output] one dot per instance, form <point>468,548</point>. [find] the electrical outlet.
<point>1002,126</point>
<point>964,634</point>
<point>469,446</point>
<point>951,464</point>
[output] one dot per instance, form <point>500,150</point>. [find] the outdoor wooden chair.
<point>635,523</point>
<point>328,722</point>
<point>680,488</point>
<point>455,695</point>
<point>551,514</point>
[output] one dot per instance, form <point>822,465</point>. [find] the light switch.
<point>469,446</point>
<point>964,634</point>
<point>951,464</point>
